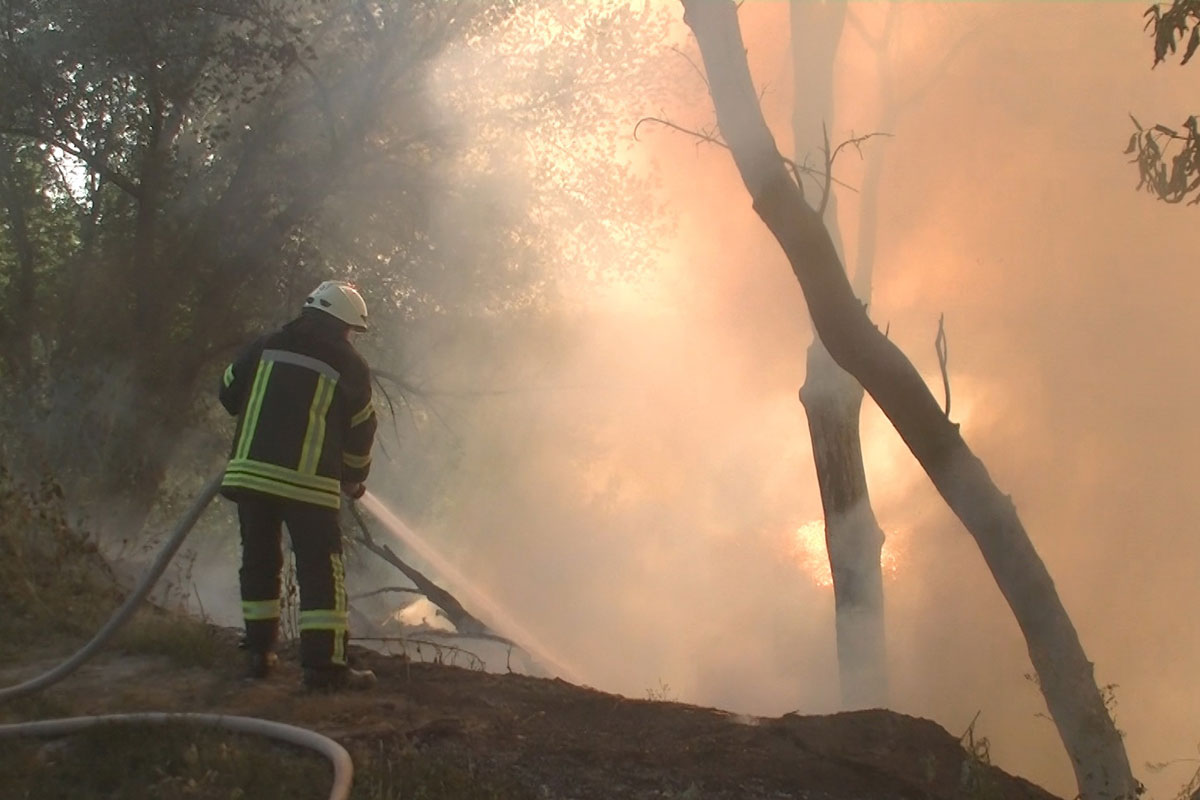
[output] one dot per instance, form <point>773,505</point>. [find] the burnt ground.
<point>550,739</point>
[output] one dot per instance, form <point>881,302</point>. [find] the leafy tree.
<point>185,172</point>
<point>1168,159</point>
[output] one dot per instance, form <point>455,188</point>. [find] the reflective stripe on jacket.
<point>305,418</point>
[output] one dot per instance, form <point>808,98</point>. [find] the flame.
<point>807,549</point>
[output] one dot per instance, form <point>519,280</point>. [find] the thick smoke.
<point>626,474</point>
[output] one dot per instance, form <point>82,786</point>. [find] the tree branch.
<point>388,590</point>
<point>464,621</point>
<point>1089,735</point>
<point>940,345</point>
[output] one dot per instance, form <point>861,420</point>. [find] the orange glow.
<point>807,548</point>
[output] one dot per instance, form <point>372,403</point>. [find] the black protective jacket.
<point>302,396</point>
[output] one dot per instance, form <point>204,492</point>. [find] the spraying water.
<point>495,612</point>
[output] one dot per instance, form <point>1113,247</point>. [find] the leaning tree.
<point>1065,675</point>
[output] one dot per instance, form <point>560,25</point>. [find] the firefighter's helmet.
<point>341,300</point>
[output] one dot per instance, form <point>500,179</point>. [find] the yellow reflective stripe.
<point>362,416</point>
<point>250,422</point>
<point>228,375</point>
<point>357,462</point>
<point>260,609</point>
<point>338,565</point>
<point>314,437</point>
<point>323,619</point>
<point>279,489</point>
<point>275,472</point>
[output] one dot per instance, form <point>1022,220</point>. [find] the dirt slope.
<point>550,739</point>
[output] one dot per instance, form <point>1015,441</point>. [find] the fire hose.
<point>343,768</point>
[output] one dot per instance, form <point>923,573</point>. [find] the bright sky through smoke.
<point>638,502</point>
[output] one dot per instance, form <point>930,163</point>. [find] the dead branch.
<point>711,137</point>
<point>1091,739</point>
<point>694,65</point>
<point>940,345</point>
<point>703,136</point>
<point>439,634</point>
<point>825,191</point>
<point>438,648</point>
<point>463,620</point>
<point>387,590</point>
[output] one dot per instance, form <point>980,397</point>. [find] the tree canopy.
<point>175,176</point>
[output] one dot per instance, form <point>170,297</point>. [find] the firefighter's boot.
<point>260,665</point>
<point>336,679</point>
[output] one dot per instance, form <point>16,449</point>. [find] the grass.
<point>185,761</point>
<point>393,771</point>
<point>161,761</point>
<point>186,642</point>
<point>53,582</point>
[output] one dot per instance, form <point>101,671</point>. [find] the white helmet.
<point>341,300</point>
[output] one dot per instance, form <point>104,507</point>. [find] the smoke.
<point>625,468</point>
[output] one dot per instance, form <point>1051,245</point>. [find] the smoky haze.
<point>629,474</point>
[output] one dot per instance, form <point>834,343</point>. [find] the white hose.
<point>343,768</point>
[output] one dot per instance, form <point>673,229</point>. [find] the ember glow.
<point>807,549</point>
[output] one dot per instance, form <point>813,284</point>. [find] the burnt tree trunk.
<point>1065,675</point>
<point>832,402</point>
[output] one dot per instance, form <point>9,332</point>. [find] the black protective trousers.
<point>320,572</point>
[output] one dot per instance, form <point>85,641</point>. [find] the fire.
<point>807,549</point>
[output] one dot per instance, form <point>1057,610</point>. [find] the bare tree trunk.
<point>833,401</point>
<point>1065,675</point>
<point>19,349</point>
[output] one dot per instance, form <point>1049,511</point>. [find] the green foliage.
<point>1168,158</point>
<point>175,176</point>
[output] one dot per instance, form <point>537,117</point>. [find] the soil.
<point>554,739</point>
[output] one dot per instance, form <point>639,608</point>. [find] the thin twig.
<point>386,590</point>
<point>704,136</point>
<point>830,158</point>
<point>825,192</point>
<point>695,66</point>
<point>714,138</point>
<point>856,142</point>
<point>940,345</point>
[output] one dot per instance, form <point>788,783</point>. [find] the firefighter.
<point>305,427</point>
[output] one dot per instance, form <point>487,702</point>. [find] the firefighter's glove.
<point>353,489</point>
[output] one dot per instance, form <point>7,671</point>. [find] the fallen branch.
<point>386,590</point>
<point>463,620</point>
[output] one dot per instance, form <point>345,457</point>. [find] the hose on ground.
<point>343,767</point>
